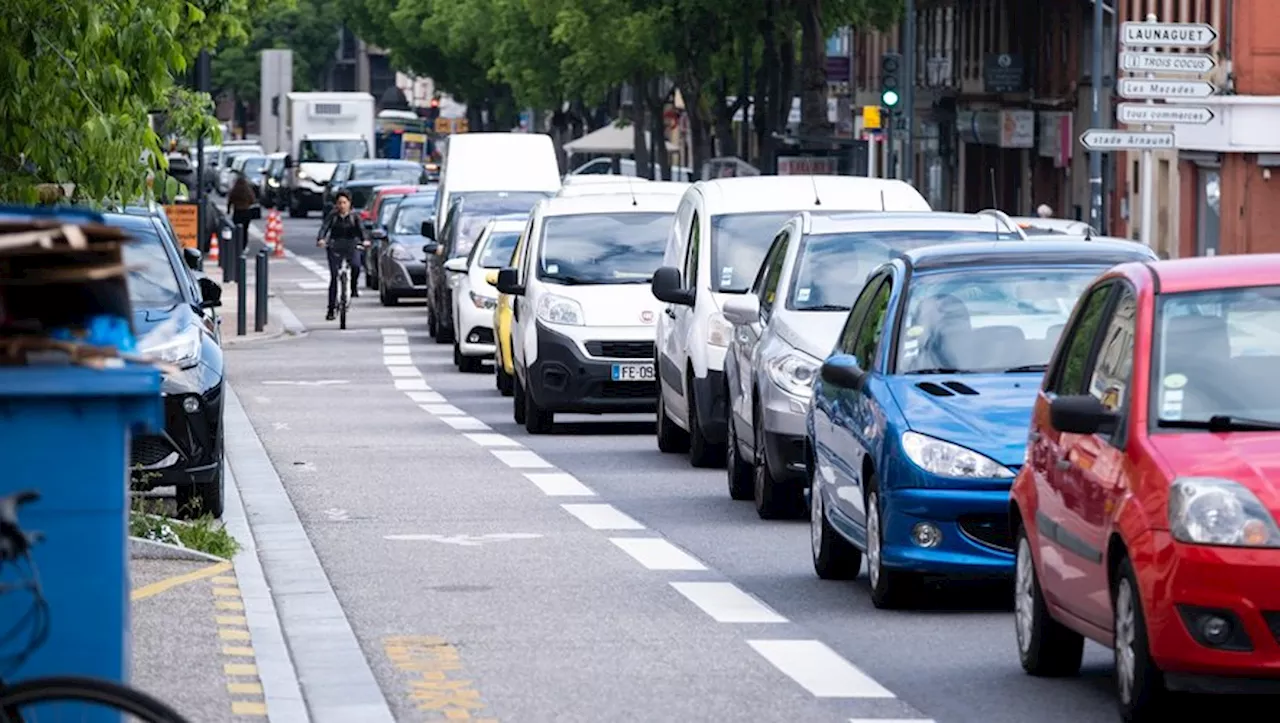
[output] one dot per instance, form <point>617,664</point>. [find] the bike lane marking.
<point>159,586</point>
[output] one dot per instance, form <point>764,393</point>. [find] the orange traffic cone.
<point>213,247</point>
<point>279,238</point>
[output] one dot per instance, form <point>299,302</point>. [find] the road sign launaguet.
<point>1099,139</point>
<point>1156,89</point>
<point>1163,114</point>
<point>1167,62</point>
<point>1168,35</point>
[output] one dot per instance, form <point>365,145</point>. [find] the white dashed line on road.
<point>426,397</point>
<point>394,331</point>
<point>727,603</point>
<point>412,385</point>
<point>465,423</point>
<point>388,348</point>
<point>492,440</point>
<point>397,361</point>
<point>656,553</point>
<point>520,459</point>
<point>602,517</point>
<point>405,372</point>
<point>443,410</point>
<point>559,484</point>
<point>819,669</point>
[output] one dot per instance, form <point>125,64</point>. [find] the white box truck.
<point>324,130</point>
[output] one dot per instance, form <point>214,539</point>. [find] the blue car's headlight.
<point>950,460</point>
<point>182,350</point>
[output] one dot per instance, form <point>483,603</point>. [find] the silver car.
<point>790,320</point>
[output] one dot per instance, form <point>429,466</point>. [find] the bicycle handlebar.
<point>14,543</point>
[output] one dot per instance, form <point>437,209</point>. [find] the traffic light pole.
<point>909,91</point>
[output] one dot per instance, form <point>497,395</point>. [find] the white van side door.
<point>522,309</point>
<point>670,377</point>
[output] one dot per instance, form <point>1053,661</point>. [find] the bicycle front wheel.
<point>90,698</point>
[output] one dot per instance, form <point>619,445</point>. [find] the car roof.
<point>405,188</point>
<point>904,221</point>
<point>388,162</point>
<point>1204,273</point>
<point>418,199</point>
<point>505,224</point>
<point>610,203</point>
<point>764,194</point>
<point>663,188</point>
<point>599,179</point>
<point>1031,252</point>
<point>371,183</point>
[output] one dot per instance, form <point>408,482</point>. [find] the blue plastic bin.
<point>64,432</point>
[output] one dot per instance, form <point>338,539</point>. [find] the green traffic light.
<point>889,98</point>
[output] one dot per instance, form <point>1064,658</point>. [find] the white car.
<point>474,298</point>
<point>623,186</point>
<point>582,328</point>
<point>722,232</point>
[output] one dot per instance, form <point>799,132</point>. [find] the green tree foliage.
<point>307,27</point>
<point>82,77</point>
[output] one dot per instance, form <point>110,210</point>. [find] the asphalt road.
<point>586,612</point>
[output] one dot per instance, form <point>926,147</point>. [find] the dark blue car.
<point>920,414</point>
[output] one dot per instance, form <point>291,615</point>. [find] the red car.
<point>1145,514</point>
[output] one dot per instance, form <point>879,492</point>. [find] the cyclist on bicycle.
<point>341,235</point>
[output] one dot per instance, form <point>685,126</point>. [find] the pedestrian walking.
<point>241,196</point>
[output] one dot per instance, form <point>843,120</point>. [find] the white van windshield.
<point>739,243</point>
<point>623,248</point>
<point>331,151</point>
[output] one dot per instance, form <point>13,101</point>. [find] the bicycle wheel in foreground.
<point>73,698</point>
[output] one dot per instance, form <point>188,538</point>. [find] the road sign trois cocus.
<point>1168,35</point>
<point>1167,62</point>
<point>1163,114</point>
<point>1101,139</point>
<point>1157,89</point>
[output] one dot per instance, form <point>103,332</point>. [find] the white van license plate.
<point>633,373</point>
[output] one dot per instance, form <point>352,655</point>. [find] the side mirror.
<point>491,278</point>
<point>288,162</point>
<point>429,230</point>
<point>743,309</point>
<point>456,265</point>
<point>210,293</point>
<point>193,257</point>
<point>508,282</point>
<point>667,286</point>
<point>1081,414</point>
<point>842,370</point>
<point>430,248</point>
<point>378,234</point>
<point>243,216</point>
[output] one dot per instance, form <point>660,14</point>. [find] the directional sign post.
<point>1139,40</point>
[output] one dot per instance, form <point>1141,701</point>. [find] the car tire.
<point>1046,647</point>
<point>890,589</point>
<point>517,401</point>
<point>457,356</point>
<point>370,281</point>
<point>198,500</point>
<point>502,379</point>
<point>444,335</point>
<point>1140,686</point>
<point>471,365</point>
<point>536,419</point>
<point>432,328</point>
<point>740,474</point>
<point>774,501</point>
<point>671,438</point>
<point>387,297</point>
<point>702,453</point>
<point>834,557</point>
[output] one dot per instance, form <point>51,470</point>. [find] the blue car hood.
<point>993,422</point>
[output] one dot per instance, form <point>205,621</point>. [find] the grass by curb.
<point>203,533</point>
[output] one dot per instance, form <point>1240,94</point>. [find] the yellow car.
<point>503,368</point>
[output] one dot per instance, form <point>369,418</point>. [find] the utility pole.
<point>1095,157</point>
<point>202,85</point>
<point>909,93</point>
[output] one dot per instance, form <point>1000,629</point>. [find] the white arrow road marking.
<point>316,383</point>
<point>337,514</point>
<point>280,426</point>
<point>466,540</point>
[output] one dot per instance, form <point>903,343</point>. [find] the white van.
<point>628,185</point>
<point>721,234</point>
<point>582,323</point>
<point>523,165</point>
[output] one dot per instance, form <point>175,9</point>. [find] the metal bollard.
<point>242,295</point>
<point>260,290</point>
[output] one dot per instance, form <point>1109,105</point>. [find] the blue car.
<point>920,414</point>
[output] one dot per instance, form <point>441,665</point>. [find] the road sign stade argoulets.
<point>1168,35</point>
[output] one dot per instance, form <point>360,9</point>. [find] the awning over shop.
<point>610,140</point>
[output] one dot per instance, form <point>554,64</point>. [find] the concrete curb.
<point>153,550</point>
<point>291,326</point>
<point>331,669</point>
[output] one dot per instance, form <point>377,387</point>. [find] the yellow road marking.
<point>228,604</point>
<point>244,688</point>
<point>231,620</point>
<point>155,588</point>
<point>226,591</point>
<point>431,659</point>
<point>240,669</point>
<point>244,707</point>
<point>225,580</point>
<point>230,634</point>
<point>239,651</point>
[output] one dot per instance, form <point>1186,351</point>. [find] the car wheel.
<point>774,501</point>
<point>1046,647</point>
<point>536,419</point>
<point>198,500</point>
<point>890,589</point>
<point>671,438</point>
<point>504,380</point>
<point>702,453</point>
<point>517,401</point>
<point>457,356</point>
<point>389,298</point>
<point>444,335</point>
<point>834,557</point>
<point>740,474</point>
<point>1139,683</point>
<point>471,365</point>
<point>432,328</point>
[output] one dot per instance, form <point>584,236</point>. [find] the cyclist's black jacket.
<point>343,233</point>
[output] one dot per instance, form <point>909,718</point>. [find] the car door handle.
<point>1063,464</point>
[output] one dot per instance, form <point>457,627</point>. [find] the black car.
<point>254,170</point>
<point>399,255</point>
<point>466,217</point>
<point>174,322</point>
<point>384,171</point>
<point>386,200</point>
<point>272,195</point>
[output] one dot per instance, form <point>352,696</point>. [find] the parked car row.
<point>943,396</point>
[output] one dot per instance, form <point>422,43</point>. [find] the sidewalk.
<point>281,321</point>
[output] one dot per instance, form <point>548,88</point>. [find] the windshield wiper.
<point>568,280</point>
<point>1222,423</point>
<point>935,370</point>
<point>1027,368</point>
<point>824,307</point>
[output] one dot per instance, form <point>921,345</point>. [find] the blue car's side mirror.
<point>842,370</point>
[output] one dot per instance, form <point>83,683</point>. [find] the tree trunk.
<point>767,90</point>
<point>813,72</point>
<point>744,94</point>
<point>722,113</point>
<point>644,165</point>
<point>658,129</point>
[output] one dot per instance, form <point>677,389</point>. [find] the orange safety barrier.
<point>213,248</point>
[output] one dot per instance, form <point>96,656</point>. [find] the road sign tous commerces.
<point>1140,113</point>
<point>1157,89</point>
<point>1101,139</point>
<point>1167,62</point>
<point>1168,35</point>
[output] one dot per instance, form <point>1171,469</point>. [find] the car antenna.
<point>814,181</point>
<point>994,202</point>
<point>883,206</point>
<point>631,187</point>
